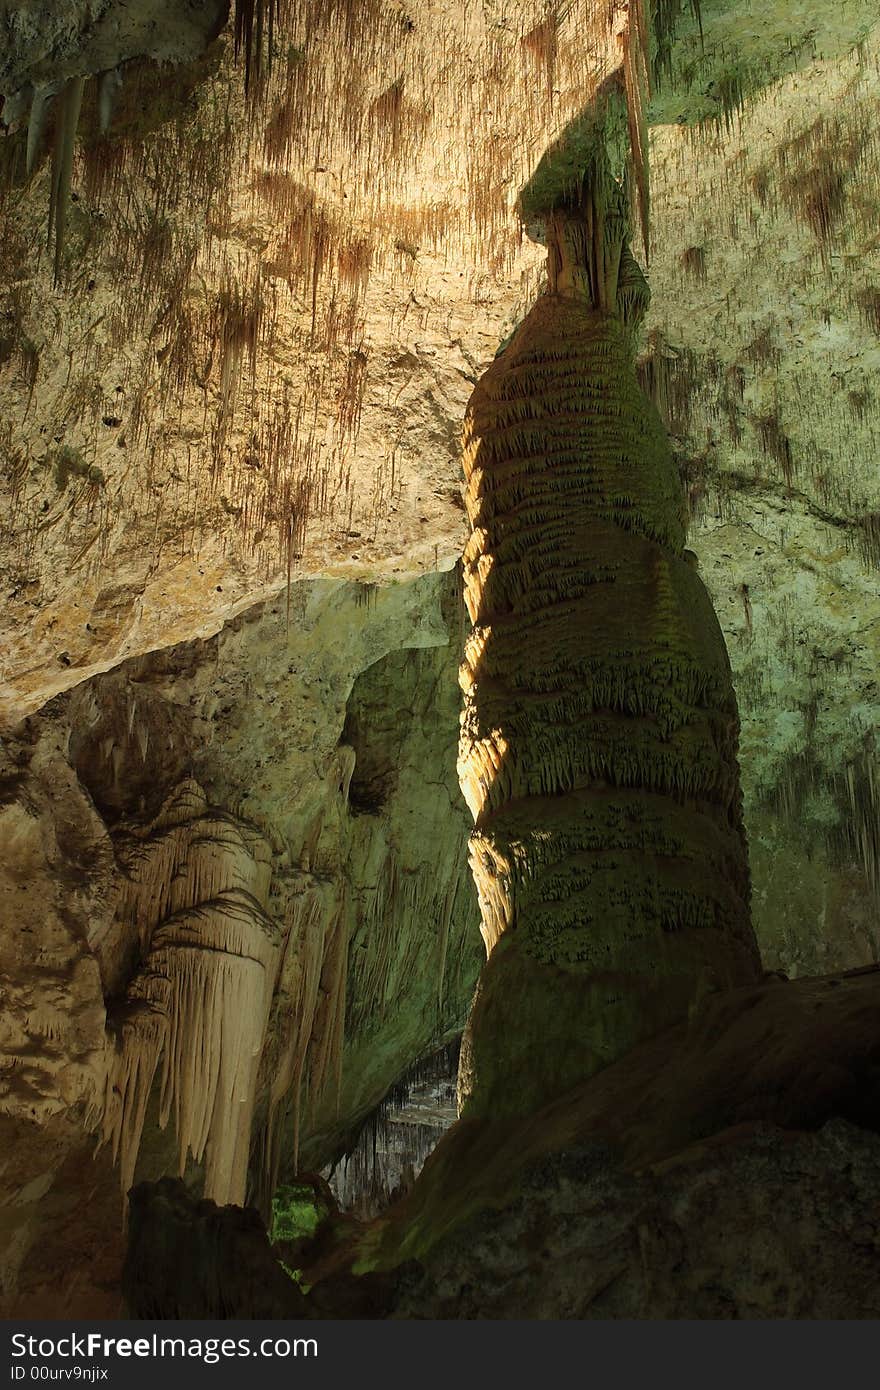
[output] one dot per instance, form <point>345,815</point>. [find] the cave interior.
<point>440,659</point>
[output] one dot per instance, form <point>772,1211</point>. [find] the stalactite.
<point>255,22</point>
<point>238,317</point>
<point>66,123</point>
<point>196,1010</point>
<point>394,1141</point>
<point>311,1028</point>
<point>861,833</point>
<point>108,85</point>
<point>40,103</point>
<point>636,70</point>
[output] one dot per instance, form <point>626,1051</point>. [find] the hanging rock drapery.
<point>196,1009</point>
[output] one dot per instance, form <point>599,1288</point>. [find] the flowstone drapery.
<point>198,1004</point>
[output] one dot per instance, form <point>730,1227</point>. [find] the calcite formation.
<point>599,730</point>
<point>57,894</point>
<point>249,277</point>
<point>196,889</point>
<point>244,864</point>
<point>158,461</point>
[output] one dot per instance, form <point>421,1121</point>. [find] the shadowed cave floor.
<point>727,1169</point>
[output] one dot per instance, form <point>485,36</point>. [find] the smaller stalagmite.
<point>599,733</point>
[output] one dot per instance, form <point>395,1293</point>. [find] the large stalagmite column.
<point>599,732</point>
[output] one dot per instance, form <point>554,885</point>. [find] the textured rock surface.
<point>57,39</point>
<point>599,731</point>
<point>726,1169</point>
<point>398,1137</point>
<point>57,894</point>
<point>223,1256</point>
<point>759,1223</point>
<point>762,1225</point>
<point>763,351</point>
<point>324,817</point>
<point>789,1054</point>
<point>265,367</point>
<point>256,372</point>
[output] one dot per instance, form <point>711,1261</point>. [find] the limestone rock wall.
<point>197,340</point>
<point>48,42</point>
<point>762,352</point>
<point>751,1227</point>
<point>57,894</point>
<point>241,868</point>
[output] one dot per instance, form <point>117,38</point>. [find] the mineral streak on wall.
<point>599,733</point>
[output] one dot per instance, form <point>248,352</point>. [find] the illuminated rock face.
<point>599,733</point>
<point>196,892</point>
